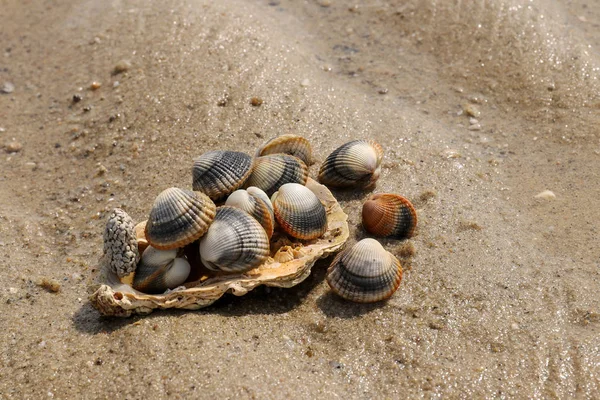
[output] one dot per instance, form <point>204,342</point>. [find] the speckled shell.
<point>178,217</point>
<point>354,164</point>
<point>299,212</point>
<point>293,145</point>
<point>235,242</point>
<point>219,173</point>
<point>365,273</point>
<point>257,205</point>
<point>160,270</point>
<point>120,243</point>
<point>270,172</point>
<point>387,214</point>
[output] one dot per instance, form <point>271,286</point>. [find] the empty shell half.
<point>235,242</point>
<point>160,270</point>
<point>356,163</point>
<point>120,243</point>
<point>365,273</point>
<point>178,217</point>
<point>270,172</point>
<point>293,145</point>
<point>387,214</point>
<point>257,205</point>
<point>219,173</point>
<point>299,212</point>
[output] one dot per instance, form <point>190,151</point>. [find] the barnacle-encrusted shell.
<point>356,163</point>
<point>219,173</point>
<point>293,145</point>
<point>365,273</point>
<point>178,217</point>
<point>160,270</point>
<point>387,214</point>
<point>235,242</point>
<point>290,265</point>
<point>299,212</point>
<point>270,172</point>
<point>257,205</point>
<point>120,244</point>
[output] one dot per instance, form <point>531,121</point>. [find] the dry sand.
<point>500,299</point>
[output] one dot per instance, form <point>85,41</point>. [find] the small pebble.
<point>450,153</point>
<point>116,84</point>
<point>255,101</point>
<point>13,147</point>
<point>50,285</point>
<point>122,66</point>
<point>473,121</point>
<point>7,88</point>
<point>324,3</point>
<point>95,85</point>
<point>546,195</point>
<point>77,98</point>
<point>475,127</point>
<point>2,129</point>
<point>305,82</point>
<point>382,90</point>
<point>472,111</point>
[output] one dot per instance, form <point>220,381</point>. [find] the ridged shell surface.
<point>235,242</point>
<point>178,217</point>
<point>219,173</point>
<point>160,270</point>
<point>293,145</point>
<point>388,214</point>
<point>365,273</point>
<point>120,244</point>
<point>270,172</point>
<point>254,205</point>
<point>299,212</point>
<point>356,163</point>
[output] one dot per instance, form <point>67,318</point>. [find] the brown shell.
<point>293,145</point>
<point>387,214</point>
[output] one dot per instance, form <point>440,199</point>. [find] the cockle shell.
<point>270,172</point>
<point>178,217</point>
<point>257,205</point>
<point>235,242</point>
<point>354,164</point>
<point>299,212</point>
<point>365,273</point>
<point>293,145</point>
<point>160,270</point>
<point>120,244</point>
<point>219,173</point>
<point>387,214</point>
<point>291,264</point>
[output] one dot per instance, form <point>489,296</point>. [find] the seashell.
<point>257,205</point>
<point>387,214</point>
<point>299,212</point>
<point>365,273</point>
<point>235,242</point>
<point>270,172</point>
<point>219,173</point>
<point>160,270</point>
<point>293,145</point>
<point>178,217</point>
<point>120,243</point>
<point>356,163</point>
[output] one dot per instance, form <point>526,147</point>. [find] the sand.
<point>480,107</point>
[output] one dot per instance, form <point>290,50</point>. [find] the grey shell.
<point>219,173</point>
<point>120,244</point>
<point>299,212</point>
<point>270,172</point>
<point>256,203</point>
<point>160,270</point>
<point>354,164</point>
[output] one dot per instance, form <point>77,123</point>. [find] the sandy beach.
<point>481,107</point>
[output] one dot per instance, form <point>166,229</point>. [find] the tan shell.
<point>354,164</point>
<point>388,214</point>
<point>111,297</point>
<point>293,145</point>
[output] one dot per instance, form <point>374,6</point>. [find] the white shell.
<point>160,270</point>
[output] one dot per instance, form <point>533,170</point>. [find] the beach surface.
<point>488,113</point>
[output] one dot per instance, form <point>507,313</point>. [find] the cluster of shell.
<point>259,195</point>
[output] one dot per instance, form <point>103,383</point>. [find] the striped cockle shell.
<point>365,273</point>
<point>178,217</point>
<point>272,171</point>
<point>293,145</point>
<point>387,214</point>
<point>120,243</point>
<point>160,270</point>
<point>235,242</point>
<point>257,205</point>
<point>219,173</point>
<point>354,164</point>
<point>299,212</point>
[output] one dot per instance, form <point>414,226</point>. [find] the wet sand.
<point>480,107</point>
